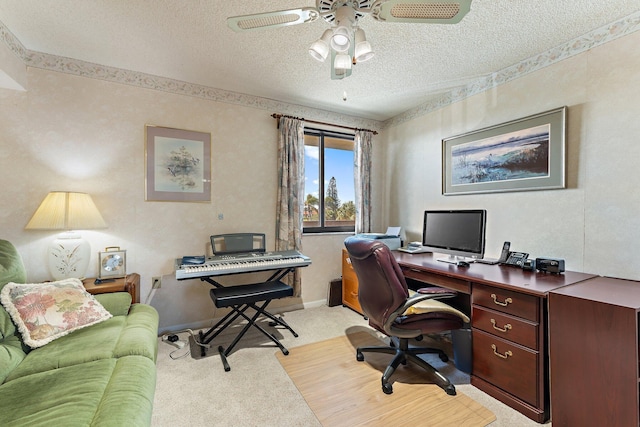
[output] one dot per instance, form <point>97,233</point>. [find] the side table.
<point>130,283</point>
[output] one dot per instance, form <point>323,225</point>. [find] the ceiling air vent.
<point>421,11</point>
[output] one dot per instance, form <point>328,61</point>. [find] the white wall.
<point>74,133</point>
<point>593,223</point>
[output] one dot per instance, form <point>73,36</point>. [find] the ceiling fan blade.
<point>421,11</point>
<point>280,18</point>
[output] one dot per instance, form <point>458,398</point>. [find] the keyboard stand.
<point>240,298</point>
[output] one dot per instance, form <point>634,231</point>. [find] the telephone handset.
<point>505,252</point>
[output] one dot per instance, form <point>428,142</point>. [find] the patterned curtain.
<point>290,205</point>
<point>362,178</point>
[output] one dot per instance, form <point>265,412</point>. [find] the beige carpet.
<point>344,392</point>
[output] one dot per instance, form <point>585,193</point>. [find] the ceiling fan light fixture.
<point>363,51</point>
<point>345,41</point>
<point>342,62</point>
<point>319,50</point>
<point>341,39</point>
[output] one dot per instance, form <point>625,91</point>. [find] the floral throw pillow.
<point>46,311</point>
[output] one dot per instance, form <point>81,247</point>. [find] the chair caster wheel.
<point>451,390</point>
<point>444,357</point>
<point>388,388</point>
<point>359,357</point>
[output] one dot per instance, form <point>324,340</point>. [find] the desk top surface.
<point>506,277</point>
<point>608,290</point>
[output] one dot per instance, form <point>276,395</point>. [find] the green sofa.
<point>100,375</point>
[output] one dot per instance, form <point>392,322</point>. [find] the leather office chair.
<point>384,297</point>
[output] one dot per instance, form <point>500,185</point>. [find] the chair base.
<point>402,355</point>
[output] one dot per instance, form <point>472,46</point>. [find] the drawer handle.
<point>503,356</point>
<point>503,304</point>
<point>505,329</point>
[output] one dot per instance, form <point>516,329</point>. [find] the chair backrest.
<point>235,243</point>
<point>382,287</point>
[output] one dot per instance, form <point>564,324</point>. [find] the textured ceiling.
<point>189,41</point>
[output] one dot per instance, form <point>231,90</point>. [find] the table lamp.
<point>69,254</point>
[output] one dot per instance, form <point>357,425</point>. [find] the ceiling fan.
<point>345,40</point>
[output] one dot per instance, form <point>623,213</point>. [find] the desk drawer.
<point>350,293</point>
<point>506,365</point>
<point>505,326</point>
<point>349,284</point>
<point>515,303</point>
<point>437,279</point>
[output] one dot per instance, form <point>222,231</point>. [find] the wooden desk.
<point>509,321</point>
<point>130,284</point>
<point>594,334</point>
<point>349,284</point>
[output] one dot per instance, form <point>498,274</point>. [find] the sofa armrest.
<point>116,303</point>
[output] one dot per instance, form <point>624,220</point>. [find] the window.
<point>329,186</point>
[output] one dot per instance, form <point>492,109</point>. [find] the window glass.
<point>329,186</point>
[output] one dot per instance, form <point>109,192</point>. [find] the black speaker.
<point>529,265</point>
<point>550,265</point>
<point>335,292</point>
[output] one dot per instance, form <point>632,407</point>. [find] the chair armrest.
<point>413,306</point>
<point>415,298</point>
<point>444,292</point>
<point>116,303</point>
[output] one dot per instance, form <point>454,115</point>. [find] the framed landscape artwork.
<point>177,164</point>
<point>524,154</point>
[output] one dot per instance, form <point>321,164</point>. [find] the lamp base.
<point>68,256</point>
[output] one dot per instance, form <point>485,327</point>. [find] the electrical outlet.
<point>156,282</point>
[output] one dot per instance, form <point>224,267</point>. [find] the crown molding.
<point>90,70</point>
<point>597,37</point>
<point>602,35</point>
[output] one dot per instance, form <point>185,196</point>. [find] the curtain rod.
<point>277,117</point>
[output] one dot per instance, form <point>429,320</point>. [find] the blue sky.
<point>338,164</point>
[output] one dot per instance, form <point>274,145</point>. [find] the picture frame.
<point>520,155</point>
<point>112,263</point>
<point>177,165</point>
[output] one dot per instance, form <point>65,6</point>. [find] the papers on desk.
<point>414,248</point>
<point>393,231</point>
<point>391,238</point>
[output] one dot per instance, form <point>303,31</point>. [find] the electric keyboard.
<point>221,265</point>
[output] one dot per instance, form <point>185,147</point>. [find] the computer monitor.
<point>457,233</point>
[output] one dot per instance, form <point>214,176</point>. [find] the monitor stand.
<point>453,259</point>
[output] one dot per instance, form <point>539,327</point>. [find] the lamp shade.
<point>63,210</point>
<point>341,39</point>
<point>363,51</point>
<point>319,50</point>
<point>342,62</point>
<point>68,255</point>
